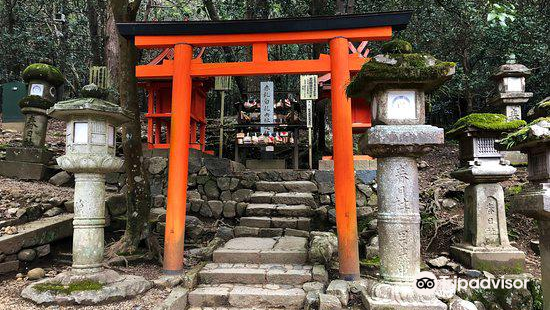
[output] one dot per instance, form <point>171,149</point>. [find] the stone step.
<point>39,232</point>
<point>246,231</point>
<point>287,186</point>
<point>247,296</point>
<point>267,209</point>
<point>301,223</point>
<point>290,198</point>
<point>253,250</point>
<point>255,274</point>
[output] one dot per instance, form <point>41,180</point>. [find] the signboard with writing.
<point>308,87</point>
<point>266,105</point>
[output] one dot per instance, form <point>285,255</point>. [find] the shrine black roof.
<point>398,20</point>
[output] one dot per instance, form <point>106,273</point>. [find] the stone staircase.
<point>279,209</point>
<point>265,266</point>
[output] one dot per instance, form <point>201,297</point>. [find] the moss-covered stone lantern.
<point>90,154</point>
<point>485,244</point>
<point>534,199</point>
<point>511,95</point>
<point>396,82</point>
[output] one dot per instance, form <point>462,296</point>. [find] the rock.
<point>224,183</point>
<point>364,212</point>
<point>216,207</point>
<point>26,255</point>
<point>176,300</point>
<point>472,273</point>
<point>196,205</point>
<point>194,227</point>
<point>43,250</point>
<point>193,195</point>
<point>360,199</point>
<point>422,164</point>
<point>249,179</point>
<point>319,274</point>
<point>229,209</point>
<point>535,246</point>
<point>460,304</point>
<point>158,214</point>
<point>479,305</point>
<point>324,199</point>
<point>224,233</point>
<point>373,200</point>
<point>116,204</point>
<point>365,189</point>
<point>313,286</point>
<point>36,273</point>
<point>241,207</point>
<point>325,188</point>
<point>438,262</point>
<point>340,289</point>
<point>158,201</point>
<point>225,196</point>
<point>211,189</point>
<point>242,195</point>
<point>12,211</point>
<point>329,302</point>
<point>53,212</point>
<point>205,210</point>
<point>373,224</point>
<point>157,165</point>
<point>234,184</point>
<point>60,178</point>
<point>374,241</point>
<point>323,248</point>
<point>449,203</point>
<point>446,289</point>
<point>69,206</point>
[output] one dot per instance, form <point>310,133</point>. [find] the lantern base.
<point>86,289</point>
<point>380,295</point>
<point>505,259</point>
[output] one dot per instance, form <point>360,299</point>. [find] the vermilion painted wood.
<point>344,182</point>
<point>179,156</point>
<point>199,69</point>
<point>300,37</point>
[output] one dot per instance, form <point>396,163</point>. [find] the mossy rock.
<point>523,135</point>
<point>541,109</point>
<point>34,101</point>
<point>485,122</point>
<point>416,69</point>
<point>397,46</point>
<point>45,72</point>
<point>58,288</point>
<point>94,91</point>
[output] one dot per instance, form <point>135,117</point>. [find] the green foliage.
<point>515,189</point>
<point>522,135</point>
<point>534,286</point>
<point>397,46</point>
<point>45,72</point>
<point>93,91</point>
<point>484,121</point>
<point>58,288</point>
<point>541,109</point>
<point>371,262</point>
<point>34,101</point>
<point>409,67</point>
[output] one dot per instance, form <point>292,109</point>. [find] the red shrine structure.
<point>183,72</point>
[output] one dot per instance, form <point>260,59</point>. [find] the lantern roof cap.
<point>90,106</point>
<point>400,68</point>
<point>483,122</point>
<point>511,69</point>
<point>535,133</point>
<point>45,72</point>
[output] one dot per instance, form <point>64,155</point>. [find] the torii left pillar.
<point>344,173</point>
<point>179,156</point>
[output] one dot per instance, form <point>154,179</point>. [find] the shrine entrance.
<point>184,71</point>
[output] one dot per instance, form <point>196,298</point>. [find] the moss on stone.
<point>542,109</point>
<point>408,68</point>
<point>40,71</point>
<point>94,91</point>
<point>484,121</point>
<point>34,101</point>
<point>58,288</point>
<point>371,262</point>
<point>522,135</point>
<point>397,46</point>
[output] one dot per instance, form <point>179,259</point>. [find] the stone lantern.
<point>28,161</point>
<point>90,154</point>
<point>485,244</point>
<point>396,83</point>
<point>534,200</point>
<point>511,95</point>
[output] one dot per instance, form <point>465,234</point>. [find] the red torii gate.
<point>337,31</point>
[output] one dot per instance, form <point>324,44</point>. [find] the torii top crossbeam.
<point>338,31</point>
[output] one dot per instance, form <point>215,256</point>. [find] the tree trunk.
<point>93,28</point>
<point>122,58</point>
